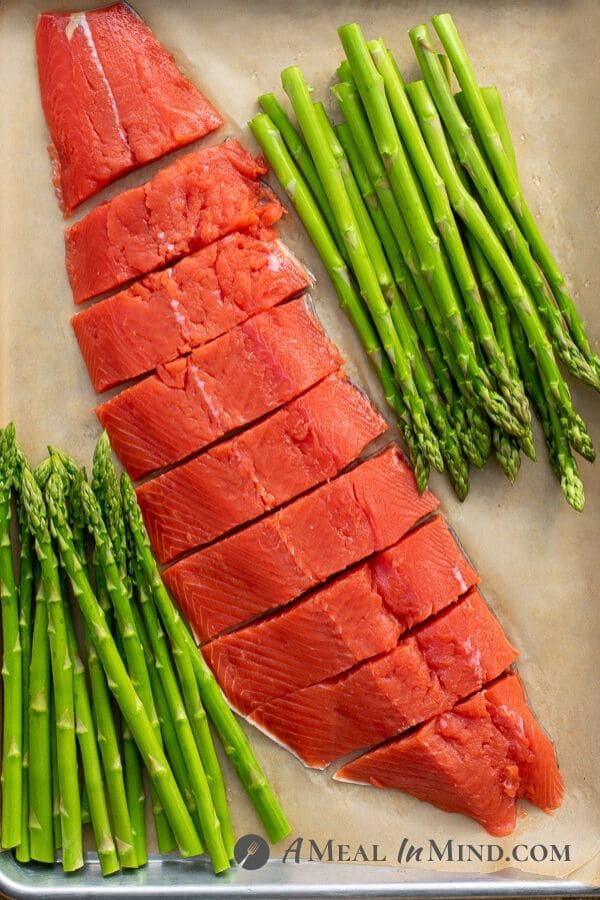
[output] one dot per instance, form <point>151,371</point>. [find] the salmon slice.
<point>197,199</point>
<point>238,377</point>
<point>476,759</point>
<point>431,669</point>
<point>173,311</point>
<point>113,98</point>
<point>337,627</point>
<point>290,551</point>
<point>359,615</point>
<point>306,442</point>
<point>422,574</point>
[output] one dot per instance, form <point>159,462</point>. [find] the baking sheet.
<point>537,558</point>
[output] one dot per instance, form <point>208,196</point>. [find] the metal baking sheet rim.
<point>312,880</point>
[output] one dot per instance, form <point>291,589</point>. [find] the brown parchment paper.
<point>539,560</point>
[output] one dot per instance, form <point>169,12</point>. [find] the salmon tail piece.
<point>476,759</point>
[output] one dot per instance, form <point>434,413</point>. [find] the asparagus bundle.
<point>414,200</point>
<point>62,765</point>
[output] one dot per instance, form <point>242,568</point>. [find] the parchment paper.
<point>538,559</point>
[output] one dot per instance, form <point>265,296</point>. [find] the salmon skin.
<point>171,312</point>
<point>113,98</point>
<point>477,759</point>
<point>235,379</point>
<point>432,668</point>
<point>293,550</point>
<point>356,616</point>
<point>197,199</point>
<point>306,442</point>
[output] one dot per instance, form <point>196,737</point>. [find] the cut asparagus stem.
<point>234,741</point>
<point>330,175</point>
<point>62,677</point>
<point>40,818</point>
<point>443,216</point>
<point>432,401</point>
<point>303,160</point>
<point>23,851</point>
<point>493,101</point>
<point>509,183</point>
<point>498,209</point>
<point>106,731</point>
<point>117,677</point>
<point>293,184</point>
<point>12,717</point>
<point>559,453</point>
<point>372,90</point>
<point>90,758</point>
<point>475,220</point>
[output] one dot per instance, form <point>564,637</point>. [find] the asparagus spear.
<point>449,445</point>
<point>234,741</point>
<point>371,88</point>
<point>119,681</point>
<point>104,720</point>
<point>12,723</point>
<point>62,676</point>
<point>509,183</point>
<point>330,175</point>
<point>493,101</point>
<point>404,280</point>
<point>561,459</point>
<point>23,851</point>
<point>295,187</point>
<point>90,758</point>
<point>40,818</point>
<point>475,220</point>
<point>55,786</point>
<point>303,160</point>
<point>443,216</point>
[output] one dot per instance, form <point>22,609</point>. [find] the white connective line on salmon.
<point>79,20</point>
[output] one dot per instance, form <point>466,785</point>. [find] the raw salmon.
<point>238,377</point>
<point>196,200</point>
<point>291,551</point>
<point>113,98</point>
<point>338,626</point>
<point>170,312</point>
<point>476,759</point>
<point>343,623</point>
<point>295,448</point>
<point>431,669</point>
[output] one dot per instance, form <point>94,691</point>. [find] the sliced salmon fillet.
<point>171,312</point>
<point>294,449</point>
<point>196,200</point>
<point>431,669</point>
<point>290,551</point>
<point>476,759</point>
<point>423,573</point>
<point>235,379</point>
<point>358,615</point>
<point>338,626</point>
<point>113,98</point>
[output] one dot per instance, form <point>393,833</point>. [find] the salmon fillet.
<point>477,759</point>
<point>357,616</point>
<point>197,199</point>
<point>290,551</point>
<point>113,98</point>
<point>171,312</point>
<point>431,669</point>
<point>332,630</point>
<point>235,379</point>
<point>295,448</point>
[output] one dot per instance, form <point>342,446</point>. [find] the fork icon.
<point>253,847</point>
